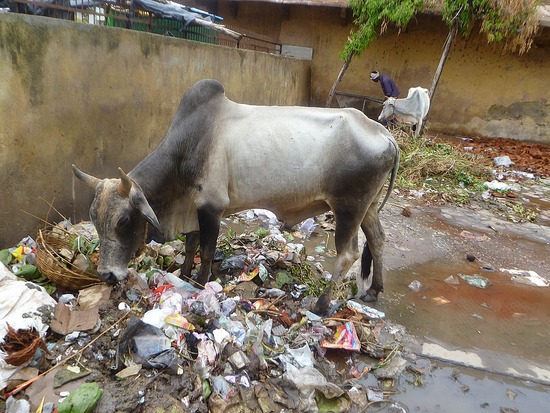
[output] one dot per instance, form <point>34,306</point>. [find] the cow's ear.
<point>89,180</point>
<point>138,201</point>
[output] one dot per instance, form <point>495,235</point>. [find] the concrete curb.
<point>487,361</point>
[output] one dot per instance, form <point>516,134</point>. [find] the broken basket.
<point>54,247</point>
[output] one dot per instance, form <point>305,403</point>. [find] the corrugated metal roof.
<point>326,3</point>
<point>544,10</point>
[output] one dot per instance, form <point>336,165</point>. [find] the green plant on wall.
<point>511,23</point>
<point>372,17</point>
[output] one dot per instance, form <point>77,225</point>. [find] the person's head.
<point>374,76</point>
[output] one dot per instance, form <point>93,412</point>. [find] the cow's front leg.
<point>191,245</point>
<point>209,228</point>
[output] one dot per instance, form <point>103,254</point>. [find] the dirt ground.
<point>527,157</point>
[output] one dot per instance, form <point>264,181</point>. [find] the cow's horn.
<point>125,183</point>
<point>89,180</point>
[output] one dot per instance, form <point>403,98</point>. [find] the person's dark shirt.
<point>388,86</point>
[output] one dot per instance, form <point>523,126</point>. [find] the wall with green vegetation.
<point>103,97</point>
<point>482,91</point>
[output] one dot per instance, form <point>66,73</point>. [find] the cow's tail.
<point>393,173</point>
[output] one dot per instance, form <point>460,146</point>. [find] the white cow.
<point>220,157</point>
<point>413,109</point>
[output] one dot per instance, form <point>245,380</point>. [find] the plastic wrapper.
<point>345,338</point>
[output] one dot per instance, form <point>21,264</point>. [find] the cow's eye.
<point>123,221</point>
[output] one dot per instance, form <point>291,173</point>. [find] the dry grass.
<point>439,169</point>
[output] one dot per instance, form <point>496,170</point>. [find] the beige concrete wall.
<point>482,92</point>
<point>102,98</point>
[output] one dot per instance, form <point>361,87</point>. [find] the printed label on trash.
<point>345,338</point>
<point>365,310</point>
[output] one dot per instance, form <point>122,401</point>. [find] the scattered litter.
<point>131,370</point>
<point>24,307</point>
<point>451,280</point>
<point>496,185</point>
<point>367,311</point>
<point>245,339</point>
<point>344,338</point>
<point>146,344</point>
<point>415,286</point>
<point>503,161</point>
<point>476,280</point>
<point>416,194</point>
<point>375,394</point>
<point>441,300</point>
<point>527,277</point>
<point>67,374</point>
<point>83,315</point>
<point>82,400</point>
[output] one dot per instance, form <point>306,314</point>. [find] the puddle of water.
<point>506,317</point>
<point>461,390</point>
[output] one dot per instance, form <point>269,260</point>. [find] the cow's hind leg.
<point>372,252</point>
<point>362,277</point>
<point>345,238</point>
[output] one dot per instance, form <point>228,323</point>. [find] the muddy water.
<point>460,390</point>
<point>505,317</point>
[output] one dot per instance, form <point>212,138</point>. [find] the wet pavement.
<point>493,341</point>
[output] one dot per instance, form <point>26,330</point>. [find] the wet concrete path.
<point>506,316</point>
<point>503,328</point>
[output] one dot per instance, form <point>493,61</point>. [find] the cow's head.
<point>120,213</point>
<point>387,109</point>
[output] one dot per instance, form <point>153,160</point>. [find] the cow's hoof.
<point>370,296</point>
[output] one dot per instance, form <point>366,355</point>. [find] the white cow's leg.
<point>418,128</point>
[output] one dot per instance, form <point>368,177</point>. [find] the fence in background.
<point>123,13</point>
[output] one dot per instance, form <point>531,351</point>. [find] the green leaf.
<point>81,400</point>
<point>28,272</point>
<point>5,257</point>
<point>262,232</point>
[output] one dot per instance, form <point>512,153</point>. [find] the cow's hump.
<point>202,93</point>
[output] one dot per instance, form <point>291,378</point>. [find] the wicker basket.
<point>53,265</point>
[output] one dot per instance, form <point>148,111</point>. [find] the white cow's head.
<point>387,109</point>
<point>120,213</point>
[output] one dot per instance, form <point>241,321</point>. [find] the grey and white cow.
<point>220,157</point>
<point>413,109</point>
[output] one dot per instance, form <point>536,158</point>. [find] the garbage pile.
<point>245,342</point>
